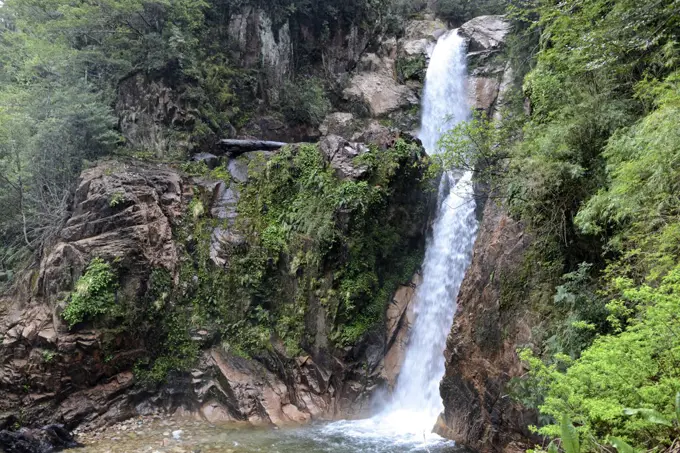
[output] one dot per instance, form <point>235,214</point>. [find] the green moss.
<point>297,209</point>
<point>117,198</point>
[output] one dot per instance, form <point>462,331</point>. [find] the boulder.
<point>339,123</point>
<point>43,440</point>
<point>340,154</point>
<point>430,30</point>
<point>485,32</point>
<point>380,93</point>
<point>120,212</point>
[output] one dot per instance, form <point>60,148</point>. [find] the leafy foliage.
<point>589,166</point>
<point>94,294</point>
<point>305,101</point>
<point>635,369</point>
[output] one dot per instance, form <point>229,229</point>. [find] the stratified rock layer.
<point>481,351</point>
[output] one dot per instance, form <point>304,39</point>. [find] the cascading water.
<point>449,250</point>
<point>407,421</point>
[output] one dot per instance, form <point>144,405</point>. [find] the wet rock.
<point>48,439</point>
<point>238,389</point>
<point>480,354</point>
<point>399,319</point>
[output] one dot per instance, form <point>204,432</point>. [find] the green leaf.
<point>570,442</point>
<point>621,446</point>
<point>552,448</point>
<point>651,415</point>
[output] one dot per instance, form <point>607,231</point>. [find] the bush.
<point>413,68</point>
<point>637,369</point>
<point>94,294</point>
<point>305,101</point>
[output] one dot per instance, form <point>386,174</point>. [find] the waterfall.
<point>449,249</point>
<point>415,404</point>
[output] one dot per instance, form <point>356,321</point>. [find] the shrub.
<point>413,68</point>
<point>636,369</point>
<point>94,294</point>
<point>305,101</point>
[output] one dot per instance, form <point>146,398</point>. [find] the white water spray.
<point>416,403</point>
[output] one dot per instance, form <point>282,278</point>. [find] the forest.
<point>586,157</point>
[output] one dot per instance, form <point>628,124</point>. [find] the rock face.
<point>481,355</point>
<point>376,90</point>
<point>43,440</point>
<point>489,73</point>
<point>121,213</point>
<point>147,107</point>
<point>485,32</point>
<point>261,45</point>
<point>128,214</point>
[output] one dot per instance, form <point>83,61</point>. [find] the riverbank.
<point>160,434</point>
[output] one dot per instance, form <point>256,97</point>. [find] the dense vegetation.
<point>305,240</point>
<point>591,168</point>
<point>61,65</point>
<point>592,171</point>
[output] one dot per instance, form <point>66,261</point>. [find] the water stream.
<point>405,423</point>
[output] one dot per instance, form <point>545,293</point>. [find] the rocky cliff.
<point>176,291</point>
<point>481,357</point>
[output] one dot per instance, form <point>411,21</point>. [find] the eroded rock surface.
<point>122,213</point>
<point>490,74</point>
<point>147,108</point>
<point>481,355</point>
<point>47,439</point>
<point>485,32</point>
<point>129,214</point>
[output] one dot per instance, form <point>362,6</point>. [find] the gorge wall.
<point>181,251</point>
<point>219,298</point>
<point>491,323</point>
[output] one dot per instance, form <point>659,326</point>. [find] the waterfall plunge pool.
<point>156,436</point>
